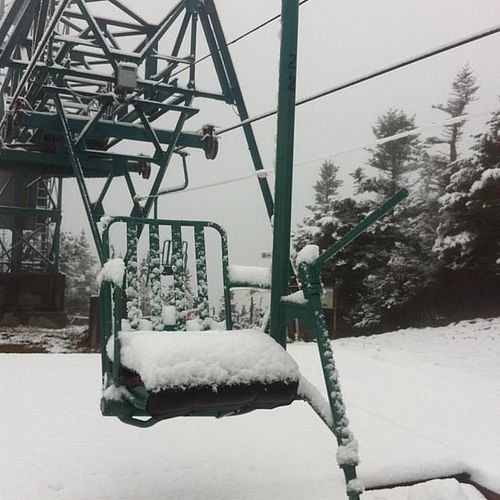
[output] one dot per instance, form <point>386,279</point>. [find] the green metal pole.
<point>284,166</point>
<point>57,232</point>
<point>17,243</point>
<point>80,177</point>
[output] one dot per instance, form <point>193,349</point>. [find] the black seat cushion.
<point>220,401</point>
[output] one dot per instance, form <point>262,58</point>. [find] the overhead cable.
<point>401,135</point>
<point>238,38</point>
<point>369,76</point>
<point>383,140</point>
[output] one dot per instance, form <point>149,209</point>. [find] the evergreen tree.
<point>469,232</point>
<point>330,218</point>
<point>79,265</point>
<point>391,160</point>
<point>247,309</point>
<point>463,91</point>
<point>397,259</point>
<point>321,219</point>
<point>438,170</point>
<point>326,189</point>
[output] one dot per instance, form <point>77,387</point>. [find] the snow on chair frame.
<point>264,385</point>
<point>163,374</point>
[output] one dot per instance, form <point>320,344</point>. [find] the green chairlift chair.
<point>128,391</point>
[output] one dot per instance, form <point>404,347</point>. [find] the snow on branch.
<point>490,175</point>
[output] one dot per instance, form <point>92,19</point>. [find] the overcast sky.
<point>338,40</point>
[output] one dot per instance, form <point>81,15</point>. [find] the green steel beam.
<point>284,167</point>
<point>94,164</point>
<point>166,157</point>
<point>21,14</point>
<point>216,57</point>
<point>192,52</point>
<point>108,21</point>
<point>99,35</point>
<point>164,106</point>
<point>57,231</point>
<point>164,75</point>
<point>145,47</point>
<point>30,212</point>
<point>131,13</point>
<point>39,50</point>
<point>50,123</point>
<point>77,168</point>
<point>145,103</point>
<point>92,121</point>
<point>377,214</point>
<point>96,78</point>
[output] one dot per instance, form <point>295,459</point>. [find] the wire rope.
<point>374,74</point>
<point>237,39</point>
<point>383,140</point>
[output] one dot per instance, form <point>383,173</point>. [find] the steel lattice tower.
<point>75,86</point>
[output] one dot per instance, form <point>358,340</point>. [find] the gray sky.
<point>338,40</point>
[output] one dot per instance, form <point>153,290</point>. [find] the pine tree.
<point>79,265</point>
<point>469,232</point>
<point>326,189</point>
<point>331,217</point>
<point>321,218</point>
<point>438,170</point>
<point>397,261</point>
<point>392,160</point>
<point>249,310</point>
<point>463,91</point>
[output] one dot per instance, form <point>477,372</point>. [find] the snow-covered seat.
<point>208,372</point>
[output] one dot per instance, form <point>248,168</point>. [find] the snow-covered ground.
<point>422,404</point>
<point>29,339</point>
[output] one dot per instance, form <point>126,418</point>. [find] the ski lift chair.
<point>149,372</point>
<point>128,393</point>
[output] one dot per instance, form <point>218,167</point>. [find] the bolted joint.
<point>193,6</point>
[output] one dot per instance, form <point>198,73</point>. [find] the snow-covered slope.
<point>422,404</point>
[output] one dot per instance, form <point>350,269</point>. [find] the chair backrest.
<point>164,244</point>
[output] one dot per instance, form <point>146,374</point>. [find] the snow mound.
<point>113,271</point>
<point>188,359</point>
<point>437,489</point>
<point>252,275</point>
<point>308,254</point>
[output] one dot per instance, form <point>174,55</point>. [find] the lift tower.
<point>80,78</point>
